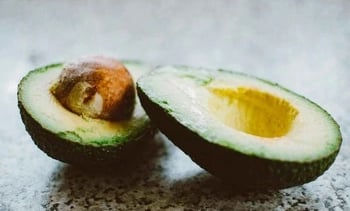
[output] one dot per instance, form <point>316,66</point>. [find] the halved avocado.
<point>247,131</point>
<point>78,139</point>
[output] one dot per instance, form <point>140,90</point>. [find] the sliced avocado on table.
<point>247,131</point>
<point>79,139</point>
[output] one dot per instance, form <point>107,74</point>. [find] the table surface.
<point>303,45</point>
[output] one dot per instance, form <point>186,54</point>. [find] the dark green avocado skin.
<point>240,170</point>
<point>85,155</point>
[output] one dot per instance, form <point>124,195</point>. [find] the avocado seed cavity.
<point>252,111</point>
<point>97,87</point>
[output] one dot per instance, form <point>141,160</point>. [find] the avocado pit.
<point>97,87</point>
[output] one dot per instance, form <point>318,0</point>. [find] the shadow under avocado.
<point>142,185</point>
<point>192,191</point>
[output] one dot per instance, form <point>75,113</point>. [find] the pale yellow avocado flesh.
<point>252,111</point>
<point>246,114</point>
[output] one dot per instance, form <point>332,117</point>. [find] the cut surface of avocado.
<point>62,133</point>
<point>251,111</point>
<point>246,130</point>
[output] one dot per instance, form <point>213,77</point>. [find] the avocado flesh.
<point>253,112</point>
<point>77,139</point>
<point>247,131</point>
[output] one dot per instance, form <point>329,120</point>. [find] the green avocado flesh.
<point>247,131</point>
<point>77,139</point>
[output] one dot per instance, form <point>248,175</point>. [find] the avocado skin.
<point>240,170</point>
<point>87,156</point>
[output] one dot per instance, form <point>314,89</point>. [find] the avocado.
<point>80,139</point>
<point>249,132</point>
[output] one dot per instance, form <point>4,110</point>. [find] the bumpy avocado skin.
<point>87,156</point>
<point>240,170</point>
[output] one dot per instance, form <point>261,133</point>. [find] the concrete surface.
<point>303,45</point>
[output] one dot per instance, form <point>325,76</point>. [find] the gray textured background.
<point>303,45</point>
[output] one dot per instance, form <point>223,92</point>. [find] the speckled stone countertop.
<point>303,45</point>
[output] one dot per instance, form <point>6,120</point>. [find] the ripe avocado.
<point>247,131</point>
<point>78,139</point>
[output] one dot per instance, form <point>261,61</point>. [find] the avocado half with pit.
<point>247,131</point>
<point>79,139</point>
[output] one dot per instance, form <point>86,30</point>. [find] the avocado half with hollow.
<point>79,139</point>
<point>245,130</point>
